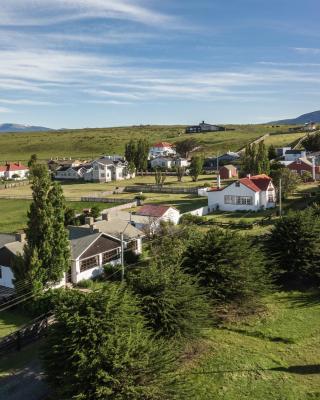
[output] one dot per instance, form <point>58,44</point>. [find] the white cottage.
<point>105,169</point>
<point>252,193</point>
<point>161,149</point>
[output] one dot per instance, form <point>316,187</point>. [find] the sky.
<point>99,63</point>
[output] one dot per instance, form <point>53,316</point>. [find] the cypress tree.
<point>196,167</point>
<point>262,160</point>
<point>100,349</point>
<point>228,265</point>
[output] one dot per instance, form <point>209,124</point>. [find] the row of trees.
<point>136,153</point>
<point>255,159</point>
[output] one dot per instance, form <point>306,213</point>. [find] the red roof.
<point>162,144</point>
<point>257,183</point>
<point>15,167</point>
<point>153,210</point>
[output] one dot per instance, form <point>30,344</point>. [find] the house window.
<point>244,200</point>
<point>270,198</point>
<point>89,263</point>
<point>102,175</point>
<point>110,255</point>
<point>133,245</point>
<point>238,184</point>
<point>229,199</point>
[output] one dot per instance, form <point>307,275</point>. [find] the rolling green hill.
<point>90,143</point>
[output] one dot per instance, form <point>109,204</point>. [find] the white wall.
<point>216,198</point>
<point>171,215</point>
<point>6,277</point>
<point>200,212</point>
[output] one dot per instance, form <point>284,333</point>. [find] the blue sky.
<point>96,63</point>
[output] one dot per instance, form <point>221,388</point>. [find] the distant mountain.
<point>4,128</point>
<point>303,119</point>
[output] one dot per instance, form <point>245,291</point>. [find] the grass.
<point>284,139</point>
<point>274,357</point>
<point>14,212</point>
<point>10,321</point>
<point>90,143</point>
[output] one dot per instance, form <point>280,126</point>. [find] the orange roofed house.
<point>161,149</point>
<point>252,193</point>
<point>13,171</point>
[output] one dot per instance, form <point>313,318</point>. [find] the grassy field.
<point>283,140</point>
<point>90,143</point>
<point>10,321</point>
<point>274,357</point>
<point>14,213</point>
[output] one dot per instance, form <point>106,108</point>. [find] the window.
<point>110,255</point>
<point>102,175</point>
<point>238,184</point>
<point>229,199</point>
<point>89,263</point>
<point>238,200</point>
<point>270,198</point>
<point>133,245</point>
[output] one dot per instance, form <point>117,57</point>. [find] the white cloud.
<point>307,50</point>
<point>43,12</point>
<point>5,110</point>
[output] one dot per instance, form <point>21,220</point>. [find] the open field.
<point>90,143</point>
<point>14,213</point>
<point>283,139</point>
<point>274,357</point>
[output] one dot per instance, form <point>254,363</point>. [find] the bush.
<point>189,219</point>
<point>228,265</point>
<point>112,272</point>
<point>172,302</point>
<point>99,349</point>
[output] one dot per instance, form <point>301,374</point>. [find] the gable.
<point>101,245</point>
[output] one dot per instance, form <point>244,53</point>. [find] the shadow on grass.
<point>260,335</point>
<point>307,298</point>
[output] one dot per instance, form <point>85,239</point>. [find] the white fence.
<point>200,212</point>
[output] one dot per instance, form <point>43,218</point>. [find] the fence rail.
<point>107,200</point>
<point>161,189</point>
<point>28,334</point>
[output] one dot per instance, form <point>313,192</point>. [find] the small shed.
<point>228,172</point>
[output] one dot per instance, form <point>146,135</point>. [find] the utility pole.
<point>122,256</point>
<point>218,163</point>
<point>280,197</point>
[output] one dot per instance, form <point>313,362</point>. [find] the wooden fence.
<point>107,200</point>
<point>161,189</point>
<point>28,334</point>
<point>9,185</point>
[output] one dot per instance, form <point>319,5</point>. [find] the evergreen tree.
<point>272,152</point>
<point>196,167</point>
<point>181,171</point>
<point>33,160</point>
<point>99,349</point>
<point>226,264</point>
<point>262,160</point>
<point>172,302</point>
<point>185,147</point>
<point>289,180</point>
<point>249,160</point>
<point>142,155</point>
<point>294,248</point>
<point>130,151</point>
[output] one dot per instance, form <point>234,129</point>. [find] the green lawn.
<point>90,143</point>
<point>10,321</point>
<point>274,357</point>
<point>14,212</point>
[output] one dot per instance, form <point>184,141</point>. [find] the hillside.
<point>302,119</point>
<point>21,128</point>
<point>90,143</point>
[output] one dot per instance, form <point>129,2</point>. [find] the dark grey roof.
<point>294,151</point>
<point>6,238</point>
<point>80,241</point>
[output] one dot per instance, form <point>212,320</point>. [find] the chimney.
<point>313,168</point>
<point>89,221</point>
<point>105,217</point>
<point>20,237</point>
<point>218,181</point>
<point>249,176</point>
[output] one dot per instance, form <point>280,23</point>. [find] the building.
<point>168,162</point>
<point>54,164</point>
<point>90,251</point>
<point>211,163</point>
<point>204,127</point>
<point>293,155</point>
<point>71,173</point>
<point>161,149</point>
<point>16,171</point>
<point>160,213</point>
<point>228,172</point>
<point>281,151</point>
<point>310,126</point>
<point>304,165</point>
<point>252,193</point>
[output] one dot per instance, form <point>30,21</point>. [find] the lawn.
<point>14,212</point>
<point>10,321</point>
<point>284,139</point>
<point>90,143</point>
<point>274,357</point>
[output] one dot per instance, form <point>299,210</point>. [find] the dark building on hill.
<point>204,127</point>
<point>211,163</point>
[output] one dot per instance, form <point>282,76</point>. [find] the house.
<point>211,163</point>
<point>114,228</point>
<point>160,213</point>
<point>54,164</point>
<point>252,193</point>
<point>304,165</point>
<point>281,151</point>
<point>204,127</point>
<point>310,126</point>
<point>106,169</point>
<point>168,162</point>
<point>293,155</point>
<point>161,149</point>
<point>228,172</point>
<point>90,251</point>
<point>71,173</point>
<point>15,171</point>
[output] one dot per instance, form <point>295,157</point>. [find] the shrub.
<point>189,219</point>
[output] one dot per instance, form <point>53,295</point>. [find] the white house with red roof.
<point>252,193</point>
<point>153,214</point>
<point>161,149</point>
<point>15,171</point>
